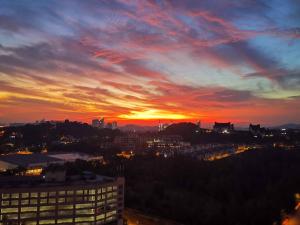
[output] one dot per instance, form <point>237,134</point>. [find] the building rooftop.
<point>39,181</point>
<point>28,159</point>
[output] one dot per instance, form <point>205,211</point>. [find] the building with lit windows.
<point>41,201</point>
<point>223,128</point>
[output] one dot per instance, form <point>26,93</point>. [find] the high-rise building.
<point>98,123</point>
<point>101,123</point>
<point>95,123</point>
<point>114,125</point>
<point>33,201</point>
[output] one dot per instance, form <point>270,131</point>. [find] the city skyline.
<point>140,62</point>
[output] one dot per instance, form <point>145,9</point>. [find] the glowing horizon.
<point>144,61</point>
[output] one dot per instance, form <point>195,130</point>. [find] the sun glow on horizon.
<point>153,114</point>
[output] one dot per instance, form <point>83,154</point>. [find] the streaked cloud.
<point>150,60</point>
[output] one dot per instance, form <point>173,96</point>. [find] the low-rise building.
<point>32,163</point>
<point>223,128</point>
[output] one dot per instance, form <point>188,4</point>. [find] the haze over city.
<point>144,61</point>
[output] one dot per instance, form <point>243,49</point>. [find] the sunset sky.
<point>144,61</point>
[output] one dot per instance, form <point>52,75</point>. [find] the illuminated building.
<point>93,200</point>
<point>32,163</point>
<point>172,142</point>
<point>223,128</point>
<point>162,126</point>
<point>130,141</point>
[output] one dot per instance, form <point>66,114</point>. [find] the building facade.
<point>84,203</point>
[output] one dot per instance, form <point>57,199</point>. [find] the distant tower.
<point>199,123</point>
<point>114,125</point>
<point>101,123</point>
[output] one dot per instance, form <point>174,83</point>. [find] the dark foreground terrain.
<point>247,189</point>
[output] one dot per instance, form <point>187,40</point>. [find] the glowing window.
<point>9,210</point>
<point>84,219</point>
<point>28,215</point>
<point>5,196</point>
<point>25,202</point>
<point>43,194</point>
<point>5,203</point>
<point>67,220</point>
<point>47,222</point>
<point>25,195</point>
<point>43,200</point>
<point>52,200</point>
<point>14,202</point>
<point>61,200</point>
<point>47,208</point>
<point>16,195</point>
<point>28,209</point>
<point>34,195</point>
<point>79,192</point>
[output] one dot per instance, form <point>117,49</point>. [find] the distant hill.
<point>137,128</point>
<point>287,126</point>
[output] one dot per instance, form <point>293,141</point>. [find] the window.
<point>111,213</point>
<point>43,194</point>
<point>79,192</point>
<point>85,211</point>
<point>47,214</point>
<point>25,195</point>
<point>33,201</point>
<point>52,200</point>
<point>47,222</point>
<point>88,205</point>
<point>34,195</point>
<point>9,210</point>
<point>5,203</point>
<point>16,195</point>
<point>61,200</point>
<point>5,196</point>
<point>28,209</point>
<point>28,215</point>
<point>43,200</point>
<point>84,219</point>
<point>47,208</point>
<point>67,220</point>
<point>100,217</point>
<point>61,192</point>
<point>92,192</point>
<point>65,213</point>
<point>14,202</point>
<point>25,202</point>
<point>52,193</point>
<point>65,207</point>
<point>70,192</point>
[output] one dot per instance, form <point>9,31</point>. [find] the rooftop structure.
<point>72,157</point>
